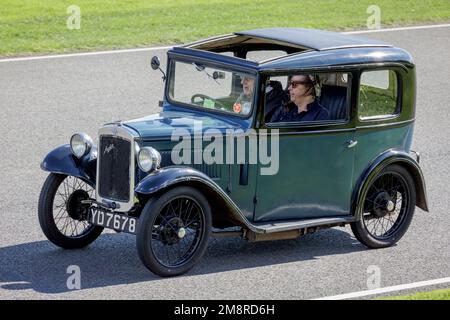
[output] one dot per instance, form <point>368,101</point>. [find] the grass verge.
<point>443,294</point>
<point>40,26</point>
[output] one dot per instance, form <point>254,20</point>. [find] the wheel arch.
<point>392,156</point>
<point>224,211</point>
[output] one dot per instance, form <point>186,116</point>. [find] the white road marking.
<point>432,26</point>
<point>81,54</point>
<point>386,289</point>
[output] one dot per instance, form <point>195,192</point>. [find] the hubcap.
<point>383,204</point>
<point>172,231</point>
<point>181,233</point>
<point>390,206</point>
<point>75,208</point>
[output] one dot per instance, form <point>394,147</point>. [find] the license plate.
<point>113,220</point>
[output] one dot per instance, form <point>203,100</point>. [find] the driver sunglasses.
<point>294,84</point>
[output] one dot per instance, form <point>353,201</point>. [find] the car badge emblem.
<point>115,131</point>
<point>109,148</point>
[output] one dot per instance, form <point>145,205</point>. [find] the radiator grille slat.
<point>114,168</point>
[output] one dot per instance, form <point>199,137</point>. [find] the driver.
<point>243,103</point>
<point>304,105</point>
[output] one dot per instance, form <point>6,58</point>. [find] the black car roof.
<point>316,48</point>
<point>313,39</point>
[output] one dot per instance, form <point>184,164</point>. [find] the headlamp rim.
<point>155,159</point>
<point>88,143</point>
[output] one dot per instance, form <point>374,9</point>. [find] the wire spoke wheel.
<point>387,202</point>
<point>68,212</point>
<point>387,209</point>
<point>173,231</point>
<point>177,231</point>
<point>62,213</point>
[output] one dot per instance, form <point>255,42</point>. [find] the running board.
<point>292,229</point>
<point>279,226</point>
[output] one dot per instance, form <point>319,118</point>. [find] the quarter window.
<point>378,93</point>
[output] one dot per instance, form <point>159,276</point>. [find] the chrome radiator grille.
<point>114,174</point>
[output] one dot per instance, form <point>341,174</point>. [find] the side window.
<point>307,98</point>
<point>378,91</point>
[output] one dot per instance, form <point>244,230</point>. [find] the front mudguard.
<point>62,161</point>
<point>172,176</point>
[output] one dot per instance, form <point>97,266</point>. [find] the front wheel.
<point>62,215</point>
<point>173,231</point>
<point>387,209</point>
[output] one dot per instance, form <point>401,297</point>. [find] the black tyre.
<point>62,216</point>
<point>388,208</point>
<point>173,231</point>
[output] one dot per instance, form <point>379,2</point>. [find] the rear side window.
<point>378,94</point>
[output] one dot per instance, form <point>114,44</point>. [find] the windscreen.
<point>211,88</point>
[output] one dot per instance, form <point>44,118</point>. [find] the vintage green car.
<point>265,134</point>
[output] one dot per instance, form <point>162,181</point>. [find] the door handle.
<point>351,143</point>
<point>243,175</point>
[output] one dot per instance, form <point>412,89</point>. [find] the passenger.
<point>304,105</point>
<point>275,98</point>
<point>243,103</point>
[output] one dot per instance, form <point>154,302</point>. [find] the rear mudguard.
<point>62,161</point>
<point>180,175</point>
<point>389,157</point>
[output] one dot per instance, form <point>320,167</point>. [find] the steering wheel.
<point>217,104</point>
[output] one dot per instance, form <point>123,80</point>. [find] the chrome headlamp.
<point>149,159</point>
<point>80,144</point>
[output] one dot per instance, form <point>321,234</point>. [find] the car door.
<point>315,173</point>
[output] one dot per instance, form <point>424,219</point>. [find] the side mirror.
<point>218,75</point>
<point>156,63</point>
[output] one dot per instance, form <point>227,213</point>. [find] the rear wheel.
<point>388,208</point>
<point>173,231</point>
<point>62,216</point>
